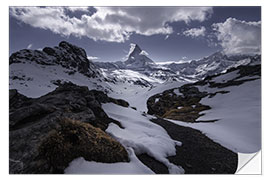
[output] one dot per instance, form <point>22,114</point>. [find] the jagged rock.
<point>33,120</point>
<point>16,100</point>
<point>67,55</point>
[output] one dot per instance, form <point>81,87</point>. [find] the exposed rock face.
<point>44,120</point>
<point>67,55</point>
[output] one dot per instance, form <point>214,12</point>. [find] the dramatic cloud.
<point>195,32</point>
<point>29,46</point>
<point>77,8</point>
<point>114,24</point>
<point>239,37</point>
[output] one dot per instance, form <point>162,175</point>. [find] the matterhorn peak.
<point>136,54</point>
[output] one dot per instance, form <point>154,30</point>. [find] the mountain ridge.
<point>194,69</point>
<point>65,54</point>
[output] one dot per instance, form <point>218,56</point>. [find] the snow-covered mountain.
<point>210,65</point>
<point>136,60</point>
<point>36,72</point>
<point>190,70</point>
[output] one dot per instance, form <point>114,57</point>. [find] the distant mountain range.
<point>37,72</point>
<point>218,62</point>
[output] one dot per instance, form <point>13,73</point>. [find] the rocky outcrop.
<point>250,73</point>
<point>65,54</point>
<point>67,123</point>
<point>183,103</point>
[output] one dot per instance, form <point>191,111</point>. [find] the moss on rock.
<point>73,139</point>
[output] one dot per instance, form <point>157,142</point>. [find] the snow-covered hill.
<point>35,73</point>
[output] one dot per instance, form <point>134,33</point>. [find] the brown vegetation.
<point>73,139</point>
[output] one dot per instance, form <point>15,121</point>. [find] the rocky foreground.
<point>47,133</point>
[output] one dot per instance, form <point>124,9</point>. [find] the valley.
<point>148,117</point>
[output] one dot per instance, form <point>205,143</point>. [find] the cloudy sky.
<point>166,33</point>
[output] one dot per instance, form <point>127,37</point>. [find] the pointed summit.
<point>137,57</point>
<point>134,50</point>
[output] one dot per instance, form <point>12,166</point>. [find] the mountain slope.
<point>226,107</point>
<point>35,73</point>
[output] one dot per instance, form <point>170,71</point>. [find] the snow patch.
<point>131,49</point>
<point>81,166</point>
<point>226,77</point>
<point>142,135</point>
<point>177,92</point>
<point>143,53</point>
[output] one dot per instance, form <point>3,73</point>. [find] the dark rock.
<point>49,51</point>
<point>167,106</point>
<point>16,100</point>
<point>33,120</point>
<point>73,49</point>
<point>134,108</point>
<point>119,102</point>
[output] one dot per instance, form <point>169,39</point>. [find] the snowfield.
<point>38,79</point>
